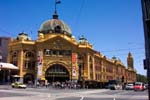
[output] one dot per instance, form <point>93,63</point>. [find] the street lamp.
<point>9,74</point>
<point>1,67</point>
<point>0,58</point>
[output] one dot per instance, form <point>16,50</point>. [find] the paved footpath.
<point>5,87</point>
<point>7,93</point>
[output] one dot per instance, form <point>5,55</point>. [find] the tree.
<point>141,78</point>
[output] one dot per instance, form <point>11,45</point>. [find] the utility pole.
<point>146,23</point>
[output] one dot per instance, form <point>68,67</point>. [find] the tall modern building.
<point>5,68</point>
<point>146,23</point>
<point>4,41</point>
<point>57,56</point>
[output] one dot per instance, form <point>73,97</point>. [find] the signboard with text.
<point>39,64</point>
<point>74,64</point>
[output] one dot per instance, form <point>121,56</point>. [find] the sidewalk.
<point>5,87</point>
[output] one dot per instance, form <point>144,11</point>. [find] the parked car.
<point>139,86</point>
<point>18,85</point>
<point>114,85</point>
<point>129,87</point>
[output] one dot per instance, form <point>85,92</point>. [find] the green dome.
<point>23,36</point>
<point>55,26</point>
<point>82,40</point>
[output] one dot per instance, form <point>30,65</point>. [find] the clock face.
<point>57,44</point>
<point>60,44</point>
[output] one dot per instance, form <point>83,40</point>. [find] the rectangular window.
<point>26,65</point>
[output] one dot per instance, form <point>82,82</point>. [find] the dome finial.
<point>55,16</point>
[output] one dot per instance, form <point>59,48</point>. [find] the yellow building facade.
<point>57,56</point>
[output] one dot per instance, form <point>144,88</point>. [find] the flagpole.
<point>55,6</point>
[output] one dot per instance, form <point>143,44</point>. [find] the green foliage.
<point>141,78</point>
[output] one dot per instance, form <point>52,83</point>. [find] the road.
<point>68,94</point>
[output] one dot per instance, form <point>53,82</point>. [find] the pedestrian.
<point>46,83</point>
<point>37,84</point>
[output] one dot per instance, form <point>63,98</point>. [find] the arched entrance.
<point>28,79</point>
<point>56,73</point>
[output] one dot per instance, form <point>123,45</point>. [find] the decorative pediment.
<point>58,42</point>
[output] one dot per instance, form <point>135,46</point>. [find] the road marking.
<point>82,98</point>
<point>114,99</point>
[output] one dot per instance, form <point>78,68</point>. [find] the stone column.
<point>93,61</point>
<point>20,65</point>
<point>88,66</point>
<point>102,71</point>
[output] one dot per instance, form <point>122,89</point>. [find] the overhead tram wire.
<point>79,14</point>
<point>124,54</point>
<point>81,8</point>
<point>119,52</point>
<point>6,32</point>
<point>115,50</point>
<point>127,49</point>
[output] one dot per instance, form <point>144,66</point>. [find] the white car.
<point>18,85</point>
<point>129,87</point>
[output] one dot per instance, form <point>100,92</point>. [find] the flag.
<point>58,2</point>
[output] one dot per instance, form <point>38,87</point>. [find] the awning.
<point>8,66</point>
<point>16,76</point>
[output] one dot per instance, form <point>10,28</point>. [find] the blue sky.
<point>114,27</point>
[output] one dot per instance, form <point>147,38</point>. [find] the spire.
<point>130,61</point>
<point>55,16</point>
<point>129,54</point>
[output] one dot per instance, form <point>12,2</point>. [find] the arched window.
<point>90,60</point>
<point>14,58</point>
<point>29,61</point>
<point>29,55</point>
<point>47,52</point>
<point>14,54</point>
<point>58,29</point>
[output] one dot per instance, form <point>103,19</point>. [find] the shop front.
<point>7,71</point>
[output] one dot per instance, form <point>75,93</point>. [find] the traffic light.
<point>122,79</point>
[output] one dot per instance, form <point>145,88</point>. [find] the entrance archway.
<point>56,73</point>
<point>28,79</point>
